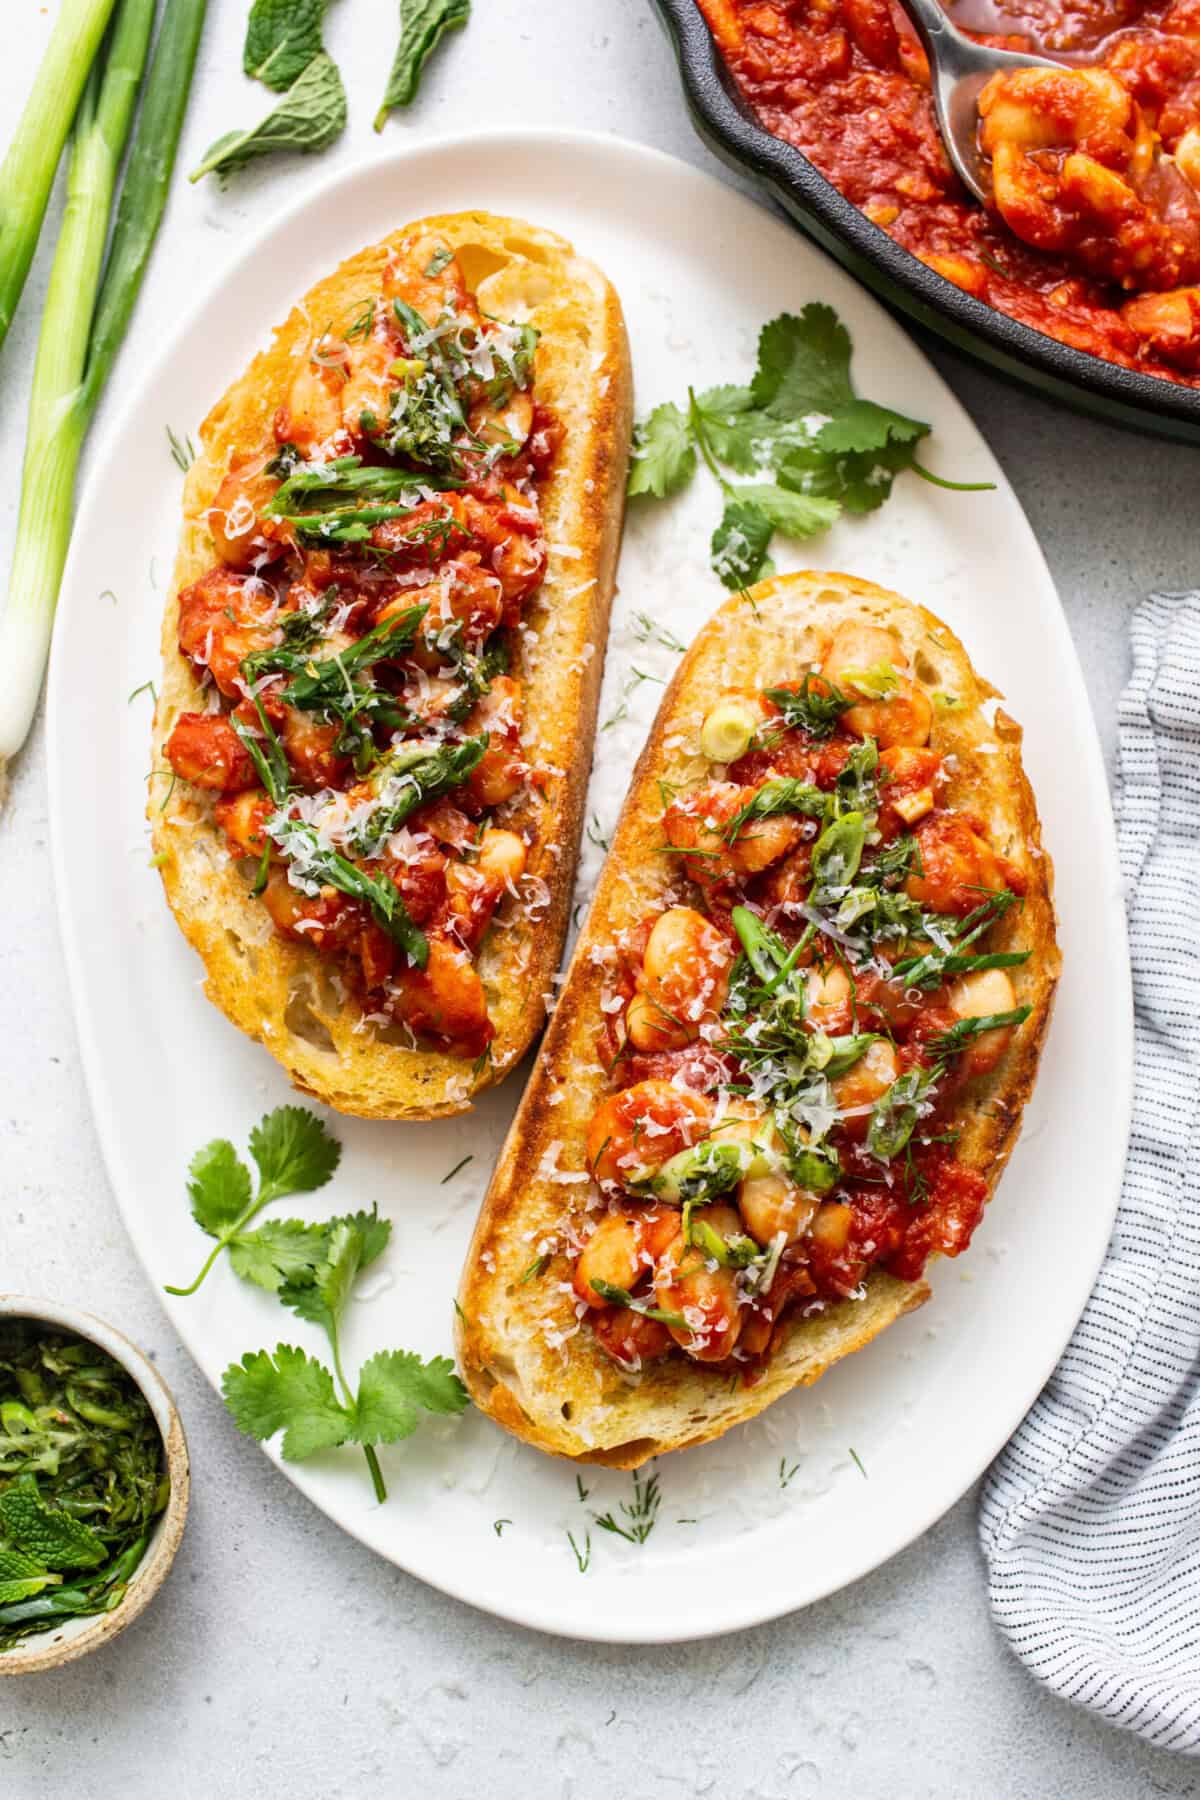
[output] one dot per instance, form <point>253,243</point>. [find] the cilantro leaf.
<point>351,1243</point>
<point>289,1392</point>
<point>737,432</point>
<point>295,1152</point>
<point>739,544</point>
<point>796,515</point>
<point>282,37</point>
<point>862,425</point>
<point>664,458</point>
<point>803,364</point>
<point>284,1250</point>
<point>218,1186</point>
<point>395,1385</point>
<point>860,480</point>
<point>56,1539</point>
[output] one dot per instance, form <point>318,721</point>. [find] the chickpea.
<point>707,1298</point>
<point>904,714</point>
<point>639,1129</point>
<point>856,1092</point>
<point>974,996</point>
<point>683,982</point>
<point>770,1204</point>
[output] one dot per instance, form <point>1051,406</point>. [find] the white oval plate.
<point>780,1512</point>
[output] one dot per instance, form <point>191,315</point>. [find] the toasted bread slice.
<point>527,1359</point>
<point>283,994</point>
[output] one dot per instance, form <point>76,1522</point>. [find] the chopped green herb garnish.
<point>82,1479</point>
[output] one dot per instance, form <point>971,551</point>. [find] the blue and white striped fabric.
<point>1090,1518</point>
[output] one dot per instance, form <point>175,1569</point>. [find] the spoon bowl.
<point>959,70</point>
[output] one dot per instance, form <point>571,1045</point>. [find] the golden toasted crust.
<point>523,1358</point>
<point>284,994</point>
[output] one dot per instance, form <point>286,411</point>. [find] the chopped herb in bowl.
<point>83,1479</point>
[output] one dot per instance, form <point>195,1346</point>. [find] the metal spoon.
<point>959,68</point>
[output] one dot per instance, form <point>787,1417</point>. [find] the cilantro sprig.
<point>800,420</point>
<point>311,1268</point>
<point>294,1154</point>
<point>287,1390</point>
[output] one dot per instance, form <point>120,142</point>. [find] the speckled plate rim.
<point>646,1607</point>
<point>61,1644</point>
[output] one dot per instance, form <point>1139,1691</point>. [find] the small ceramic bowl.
<point>63,1643</point>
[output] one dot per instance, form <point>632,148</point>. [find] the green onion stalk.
<point>27,172</point>
<point>85,318</point>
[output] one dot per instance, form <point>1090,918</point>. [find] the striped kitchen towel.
<point>1090,1517</point>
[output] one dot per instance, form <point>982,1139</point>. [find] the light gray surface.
<point>283,1659</point>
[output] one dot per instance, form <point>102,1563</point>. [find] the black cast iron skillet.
<point>1088,383</point>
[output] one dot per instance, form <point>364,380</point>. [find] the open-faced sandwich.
<point>797,1034</point>
<point>382,659</point>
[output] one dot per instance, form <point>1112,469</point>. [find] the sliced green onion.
<point>27,173</point>
<point>81,334</point>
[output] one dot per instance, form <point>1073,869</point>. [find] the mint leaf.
<point>279,1251</point>
<point>395,1386</point>
<point>25,1587</point>
<point>15,1565</point>
<point>282,37</point>
<point>295,1152</point>
<point>664,458</point>
<point>739,544</point>
<point>289,1392</point>
<point>56,1539</point>
<point>218,1186</point>
<point>422,23</point>
<point>309,116</point>
<point>803,364</point>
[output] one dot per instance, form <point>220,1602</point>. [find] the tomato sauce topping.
<point>374,557</point>
<point>793,1034</point>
